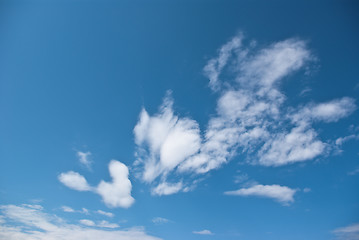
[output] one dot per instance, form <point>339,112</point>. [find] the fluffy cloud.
<point>118,192</point>
<point>203,232</point>
<point>114,194</point>
<point>84,158</point>
<point>251,118</point>
<point>279,193</point>
<point>74,181</point>
<point>29,223</point>
<point>350,232</point>
<point>170,140</point>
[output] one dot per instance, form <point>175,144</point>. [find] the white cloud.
<point>215,66</point>
<point>29,223</point>
<point>339,141</point>
<point>203,232</point>
<point>118,192</point>
<point>165,188</point>
<point>74,181</point>
<point>106,224</point>
<point>330,111</point>
<point>354,172</point>
<point>108,214</point>
<point>114,194</point>
<point>160,220</point>
<point>279,193</point>
<point>85,211</point>
<point>84,158</point>
<point>251,118</point>
<point>350,232</point>
<point>67,209</point>
<point>71,210</point>
<point>300,144</point>
<point>87,222</point>
<point>165,140</point>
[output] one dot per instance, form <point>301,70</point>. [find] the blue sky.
<point>179,120</point>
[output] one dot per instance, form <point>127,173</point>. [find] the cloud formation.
<point>251,118</point>
<point>25,223</point>
<point>114,194</point>
<point>278,193</point>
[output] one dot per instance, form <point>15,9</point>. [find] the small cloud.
<point>160,220</point>
<point>87,222</point>
<point>241,178</point>
<point>278,193</point>
<point>306,190</point>
<point>305,91</point>
<point>118,192</point>
<point>74,181</point>
<point>354,172</point>
<point>339,141</point>
<point>106,224</point>
<point>203,232</point>
<point>85,211</point>
<point>167,188</point>
<point>84,158</point>
<point>67,209</point>
<point>350,232</point>
<point>108,214</point>
<point>33,206</point>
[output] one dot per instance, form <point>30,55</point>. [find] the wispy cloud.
<point>160,220</point>
<point>203,232</point>
<point>165,188</point>
<point>350,232</point>
<point>278,193</point>
<point>84,159</point>
<point>252,118</point>
<point>106,224</point>
<point>67,209</point>
<point>24,223</point>
<point>87,222</point>
<point>108,214</point>
<point>215,66</point>
<point>114,194</point>
<point>71,210</point>
<point>354,172</point>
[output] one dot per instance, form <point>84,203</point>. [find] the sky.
<point>179,120</point>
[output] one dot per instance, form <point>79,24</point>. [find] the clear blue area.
<point>74,76</point>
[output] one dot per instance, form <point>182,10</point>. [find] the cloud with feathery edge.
<point>24,222</point>
<point>251,119</point>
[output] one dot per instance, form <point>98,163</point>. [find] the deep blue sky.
<point>75,76</point>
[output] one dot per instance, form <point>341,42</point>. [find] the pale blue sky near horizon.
<point>145,83</point>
